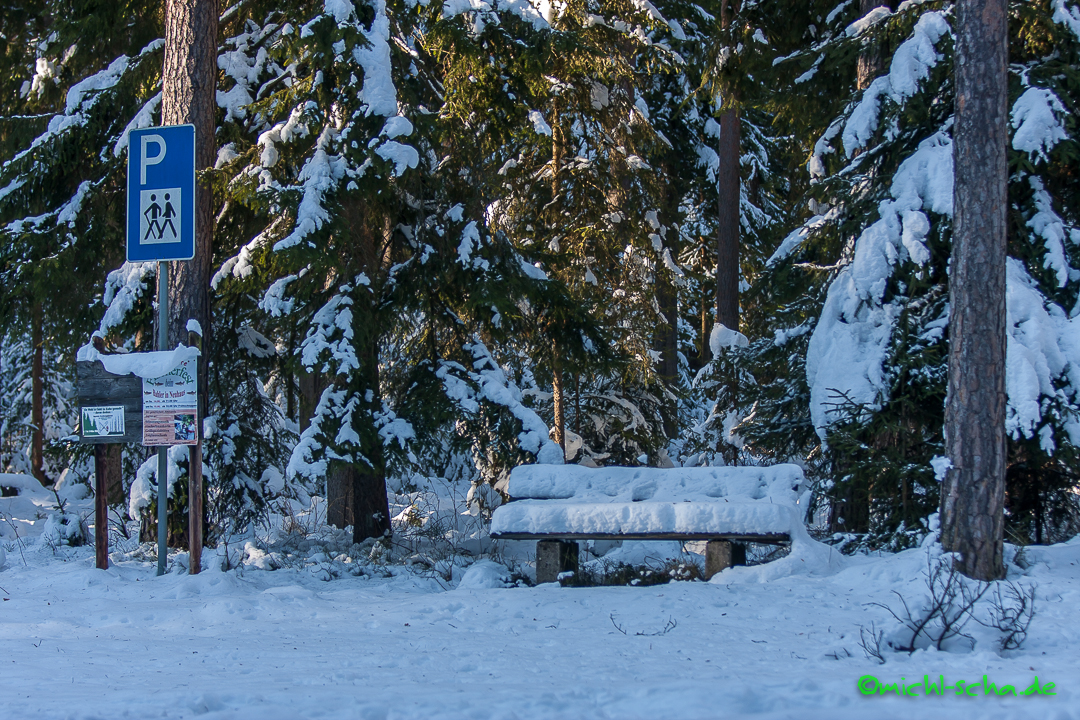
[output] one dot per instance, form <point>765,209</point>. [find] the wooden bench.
<point>557,505</point>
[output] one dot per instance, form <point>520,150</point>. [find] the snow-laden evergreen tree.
<point>71,68</point>
<point>370,262</point>
<point>732,63</point>
<point>862,284</point>
<point>567,107</point>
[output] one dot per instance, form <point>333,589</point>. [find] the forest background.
<point>452,238</point>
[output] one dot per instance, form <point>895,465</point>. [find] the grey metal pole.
<point>163,457</point>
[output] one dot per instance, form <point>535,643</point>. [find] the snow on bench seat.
<point>567,502</point>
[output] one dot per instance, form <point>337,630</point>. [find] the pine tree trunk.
<point>310,387</point>
<point>558,398</point>
<point>666,342</point>
<point>727,229</point>
<point>871,61</point>
<point>728,205</point>
<point>371,509</point>
<point>340,494</point>
<point>558,393</point>
<point>706,329</point>
<point>973,493</point>
<point>37,392</point>
<point>188,96</point>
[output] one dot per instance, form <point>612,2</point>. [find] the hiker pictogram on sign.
<point>160,213</point>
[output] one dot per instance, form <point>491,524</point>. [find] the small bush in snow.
<point>952,602</point>
<point>942,615</point>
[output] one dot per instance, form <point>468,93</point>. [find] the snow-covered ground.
<point>774,641</point>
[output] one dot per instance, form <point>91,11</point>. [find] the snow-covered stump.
<point>554,557</point>
<point>722,554</point>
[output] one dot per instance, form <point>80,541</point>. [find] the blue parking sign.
<point>161,194</point>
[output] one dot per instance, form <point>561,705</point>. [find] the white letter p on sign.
<point>146,159</point>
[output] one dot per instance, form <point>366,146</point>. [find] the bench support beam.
<point>554,557</point>
<point>721,554</point>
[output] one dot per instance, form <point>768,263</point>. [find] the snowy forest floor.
<point>780,640</point>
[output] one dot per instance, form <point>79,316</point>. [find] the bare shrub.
<point>948,609</point>
<point>1011,613</point>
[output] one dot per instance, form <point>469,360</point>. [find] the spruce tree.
<point>871,264</point>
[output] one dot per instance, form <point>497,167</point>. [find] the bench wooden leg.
<point>554,557</point>
<point>720,554</point>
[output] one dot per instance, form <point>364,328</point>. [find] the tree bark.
<point>340,494</point>
<point>973,493</point>
<point>728,202</point>
<point>188,96</point>
<point>727,228</point>
<point>871,61</point>
<point>558,398</point>
<point>310,387</point>
<point>371,512</point>
<point>666,341</point>
<point>37,393</point>
<point>558,392</point>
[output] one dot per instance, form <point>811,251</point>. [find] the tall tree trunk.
<point>371,509</point>
<point>728,210</point>
<point>666,341</point>
<point>311,386</point>
<point>37,393</point>
<point>558,397</point>
<point>871,61</point>
<point>707,315</point>
<point>558,393</point>
<point>188,96</point>
<point>973,493</point>
<point>727,228</point>
<point>340,494</point>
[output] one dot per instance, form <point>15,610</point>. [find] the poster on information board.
<point>170,406</point>
<point>101,422</point>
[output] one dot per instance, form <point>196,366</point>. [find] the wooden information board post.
<point>110,411</point>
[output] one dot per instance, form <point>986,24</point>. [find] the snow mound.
<point>807,557</point>
<point>485,575</point>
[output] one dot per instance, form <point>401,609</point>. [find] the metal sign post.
<point>163,452</point>
<point>161,227</point>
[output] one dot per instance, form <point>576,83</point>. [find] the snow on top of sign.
<point>144,365</point>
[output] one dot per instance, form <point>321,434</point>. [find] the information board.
<point>170,406</point>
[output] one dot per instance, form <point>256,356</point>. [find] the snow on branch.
<point>911,64</point>
<point>487,381</point>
